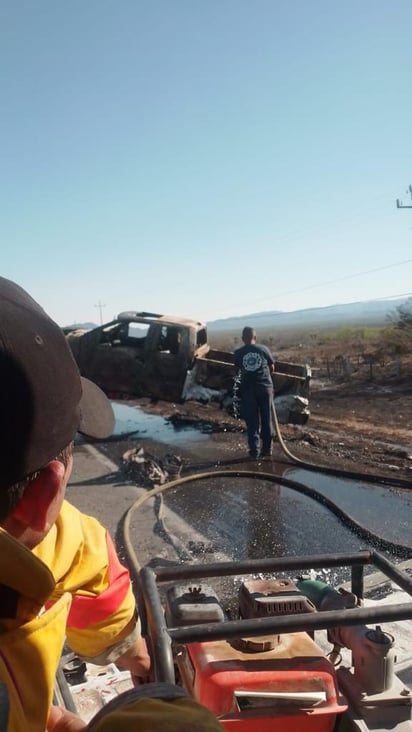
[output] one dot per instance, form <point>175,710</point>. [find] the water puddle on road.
<point>133,420</point>
<point>256,516</point>
<point>383,510</point>
<point>239,517</point>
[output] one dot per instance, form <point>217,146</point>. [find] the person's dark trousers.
<point>265,398</point>
<point>257,410</point>
<point>250,411</point>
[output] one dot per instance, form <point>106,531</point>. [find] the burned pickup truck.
<point>167,357</point>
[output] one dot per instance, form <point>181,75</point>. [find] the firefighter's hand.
<point>137,661</point>
<point>60,720</point>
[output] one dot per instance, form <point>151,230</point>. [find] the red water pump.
<point>248,682</point>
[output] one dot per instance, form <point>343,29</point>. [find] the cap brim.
<point>154,707</point>
<point>96,412</point>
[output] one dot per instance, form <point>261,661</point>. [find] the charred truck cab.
<point>168,357</point>
<point>140,353</point>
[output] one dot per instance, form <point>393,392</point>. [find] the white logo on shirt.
<point>252,361</point>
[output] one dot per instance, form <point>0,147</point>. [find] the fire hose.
<point>337,472</point>
<point>399,550</point>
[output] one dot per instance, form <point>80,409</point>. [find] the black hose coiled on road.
<point>399,550</point>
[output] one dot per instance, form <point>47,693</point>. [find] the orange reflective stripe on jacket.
<point>89,610</point>
<point>81,556</point>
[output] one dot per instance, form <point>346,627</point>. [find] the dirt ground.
<point>359,427</point>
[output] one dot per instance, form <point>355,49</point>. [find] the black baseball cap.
<point>153,707</point>
<point>43,399</point>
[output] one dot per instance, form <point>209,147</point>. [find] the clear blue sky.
<point>207,159</point>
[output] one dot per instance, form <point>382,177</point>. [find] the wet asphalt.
<point>228,518</point>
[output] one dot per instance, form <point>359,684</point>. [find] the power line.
<point>393,297</point>
<point>331,282</point>
<point>346,277</point>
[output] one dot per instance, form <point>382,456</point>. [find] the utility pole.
<point>399,203</point>
<point>102,305</point>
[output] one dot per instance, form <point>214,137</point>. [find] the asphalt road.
<point>232,518</point>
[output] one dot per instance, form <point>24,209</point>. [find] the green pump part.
<point>325,597</point>
<point>316,591</point>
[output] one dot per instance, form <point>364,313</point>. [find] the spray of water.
<point>236,395</point>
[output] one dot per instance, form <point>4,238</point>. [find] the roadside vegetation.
<point>379,353</point>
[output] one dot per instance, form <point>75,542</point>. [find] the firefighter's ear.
<point>42,498</point>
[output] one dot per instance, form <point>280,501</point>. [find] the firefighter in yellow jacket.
<point>59,572</point>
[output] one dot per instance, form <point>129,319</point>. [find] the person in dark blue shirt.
<point>256,367</point>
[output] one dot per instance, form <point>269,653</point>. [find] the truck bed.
<point>216,370</point>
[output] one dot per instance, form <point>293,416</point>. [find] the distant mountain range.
<point>371,313</point>
<point>79,326</point>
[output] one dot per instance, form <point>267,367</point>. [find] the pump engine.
<point>287,677</point>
